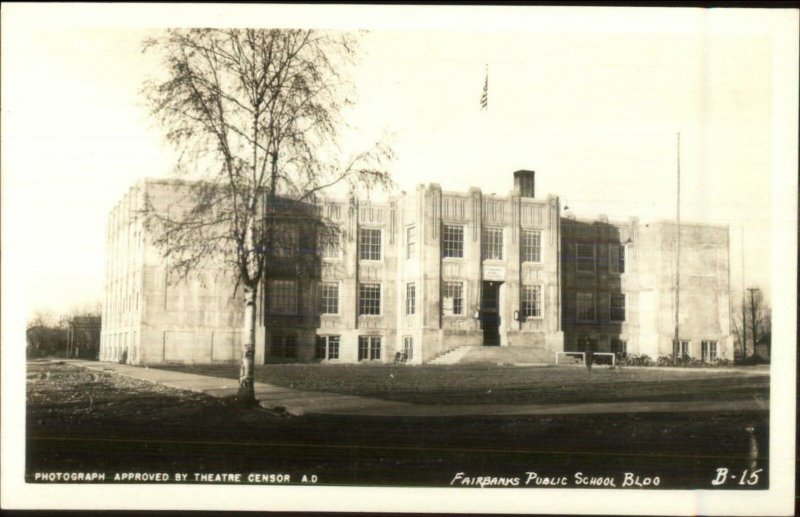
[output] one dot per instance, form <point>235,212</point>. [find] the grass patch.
<point>492,384</point>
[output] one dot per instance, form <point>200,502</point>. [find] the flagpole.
<point>485,92</point>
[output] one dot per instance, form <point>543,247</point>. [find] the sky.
<point>592,100</point>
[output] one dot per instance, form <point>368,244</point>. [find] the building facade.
<point>419,275</point>
<point>621,291</point>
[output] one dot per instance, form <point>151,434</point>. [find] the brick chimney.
<point>524,183</point>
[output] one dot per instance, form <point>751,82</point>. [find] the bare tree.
<point>42,318</point>
<point>757,321</point>
<point>256,115</point>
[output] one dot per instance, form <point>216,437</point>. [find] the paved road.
<point>315,402</point>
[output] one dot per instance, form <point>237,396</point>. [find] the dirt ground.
<point>79,421</point>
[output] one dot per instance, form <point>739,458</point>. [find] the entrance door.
<point>490,317</point>
<point>587,344</point>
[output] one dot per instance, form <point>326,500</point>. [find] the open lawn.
<point>90,421</point>
<point>491,384</point>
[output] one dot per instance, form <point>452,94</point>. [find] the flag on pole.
<point>485,94</point>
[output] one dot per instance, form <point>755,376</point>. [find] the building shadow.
<point>593,301</point>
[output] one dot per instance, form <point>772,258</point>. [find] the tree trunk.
<point>246,393</point>
<point>753,321</point>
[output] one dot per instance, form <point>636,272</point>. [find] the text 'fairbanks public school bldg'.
<point>424,274</point>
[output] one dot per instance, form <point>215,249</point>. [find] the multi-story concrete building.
<point>422,274</point>
<point>621,290</point>
<point>148,317</point>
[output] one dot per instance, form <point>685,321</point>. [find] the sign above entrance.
<point>496,273</point>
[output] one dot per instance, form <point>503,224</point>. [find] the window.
<point>286,242</point>
<point>321,347</point>
<point>369,348</point>
<point>327,347</point>
<point>617,307</point>
<point>335,212</point>
<point>410,298</point>
<point>585,307</point>
<point>492,243</point>
<point>616,258</point>
<point>709,349</point>
<point>333,347</point>
<point>584,258</point>
<point>408,347</point>
<point>453,241</point>
<point>329,298</point>
<point>284,346</point>
<point>683,350</point>
<point>619,347</point>
<point>531,301</point>
<point>369,299</point>
<point>411,241</point>
<point>330,243</point>
<point>531,246</point>
<point>369,244</point>
<point>453,303</point>
<point>283,297</point>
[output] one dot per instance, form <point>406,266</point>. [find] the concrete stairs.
<point>495,355</point>
<point>453,356</point>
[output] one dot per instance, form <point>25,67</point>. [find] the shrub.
<point>751,360</point>
<point>665,360</point>
<point>636,360</point>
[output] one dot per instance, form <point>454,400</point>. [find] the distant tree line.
<point>751,326</point>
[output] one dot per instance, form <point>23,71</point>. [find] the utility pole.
<point>753,322</point>
<point>744,317</point>
<point>676,343</point>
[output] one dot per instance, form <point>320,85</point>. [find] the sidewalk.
<point>298,402</point>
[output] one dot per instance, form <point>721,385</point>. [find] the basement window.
<point>369,348</point>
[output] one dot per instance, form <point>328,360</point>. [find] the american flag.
<point>485,94</point>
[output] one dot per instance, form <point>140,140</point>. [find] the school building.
<point>424,275</point>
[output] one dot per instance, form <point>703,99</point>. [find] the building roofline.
<point>499,197</point>
<point>662,222</point>
<point>666,222</point>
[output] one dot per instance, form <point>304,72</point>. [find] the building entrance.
<point>490,313</point>
<point>587,344</point>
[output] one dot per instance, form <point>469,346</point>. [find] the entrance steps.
<point>495,355</point>
<point>453,356</point>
